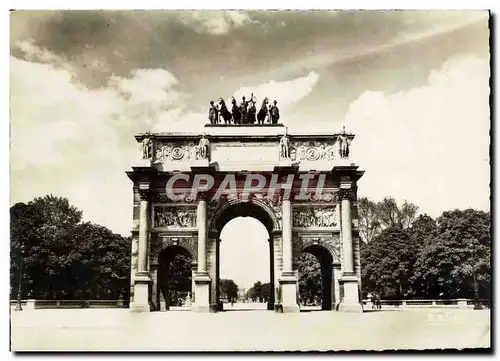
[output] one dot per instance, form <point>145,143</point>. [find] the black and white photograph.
<point>250,180</point>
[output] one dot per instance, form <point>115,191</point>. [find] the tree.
<point>175,274</point>
<point>101,268</point>
<point>374,217</point>
<point>255,292</point>
<point>309,278</point>
<point>265,291</point>
<point>25,223</point>
<point>369,222</point>
<point>229,289</point>
<point>457,261</point>
<point>387,263</point>
<point>63,257</point>
<point>390,215</point>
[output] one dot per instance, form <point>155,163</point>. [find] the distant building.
<point>241,293</point>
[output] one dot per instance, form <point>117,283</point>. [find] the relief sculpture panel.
<point>176,217</point>
<point>332,243</point>
<point>166,152</point>
<point>314,217</point>
<point>313,151</point>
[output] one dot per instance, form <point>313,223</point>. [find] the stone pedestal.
<point>202,291</point>
<point>288,280</point>
<point>462,303</point>
<point>350,302</point>
<point>288,284</point>
<point>141,294</point>
<point>30,305</point>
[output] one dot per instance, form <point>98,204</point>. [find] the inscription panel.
<point>241,151</point>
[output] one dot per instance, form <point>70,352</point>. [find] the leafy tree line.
<point>405,256</point>
<point>259,292</point>
<point>374,217</point>
<point>228,290</point>
<point>63,257</point>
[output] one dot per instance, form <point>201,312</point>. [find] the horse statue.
<point>263,112</point>
<point>251,110</point>
<point>224,112</point>
<point>236,111</point>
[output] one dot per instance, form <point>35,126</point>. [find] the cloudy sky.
<point>413,86</point>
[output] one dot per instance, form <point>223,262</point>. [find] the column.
<point>202,280</point>
<point>194,267</point>
<point>155,298</point>
<point>201,222</point>
<point>288,280</point>
<point>272,286</point>
<point>350,301</point>
<point>287,236</point>
<point>142,279</point>
<point>347,234</point>
<point>216,284</point>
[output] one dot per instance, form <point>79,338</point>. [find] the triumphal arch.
<point>301,186</point>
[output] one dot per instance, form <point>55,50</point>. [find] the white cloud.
<point>285,92</point>
<point>77,142</point>
<point>429,145</point>
<point>215,22</point>
<point>36,53</point>
<point>147,86</point>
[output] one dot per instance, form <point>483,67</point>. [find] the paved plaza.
<point>245,328</point>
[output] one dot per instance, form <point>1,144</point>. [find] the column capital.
<point>345,193</point>
<point>144,191</point>
<point>202,196</point>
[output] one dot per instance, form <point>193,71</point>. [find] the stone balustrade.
<point>434,303</point>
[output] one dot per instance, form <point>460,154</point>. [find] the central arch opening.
<point>245,269</point>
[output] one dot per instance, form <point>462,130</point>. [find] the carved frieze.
<point>177,152</point>
<point>314,217</point>
<point>186,197</point>
<point>313,151</point>
<point>176,217</point>
<point>314,197</point>
<point>331,243</point>
<point>274,203</point>
<point>186,242</point>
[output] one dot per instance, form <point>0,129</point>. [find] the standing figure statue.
<point>343,144</point>
<point>263,112</point>
<point>147,146</point>
<point>203,146</point>
<point>284,147</point>
<point>236,111</point>
<point>251,110</point>
<point>275,112</point>
<point>243,110</point>
<point>213,113</point>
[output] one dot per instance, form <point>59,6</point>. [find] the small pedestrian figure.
<point>371,298</point>
<point>377,302</point>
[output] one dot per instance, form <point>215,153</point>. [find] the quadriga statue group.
<point>244,113</point>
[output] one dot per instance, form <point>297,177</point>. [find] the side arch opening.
<point>315,268</point>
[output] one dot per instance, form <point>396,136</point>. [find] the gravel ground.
<point>248,329</point>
